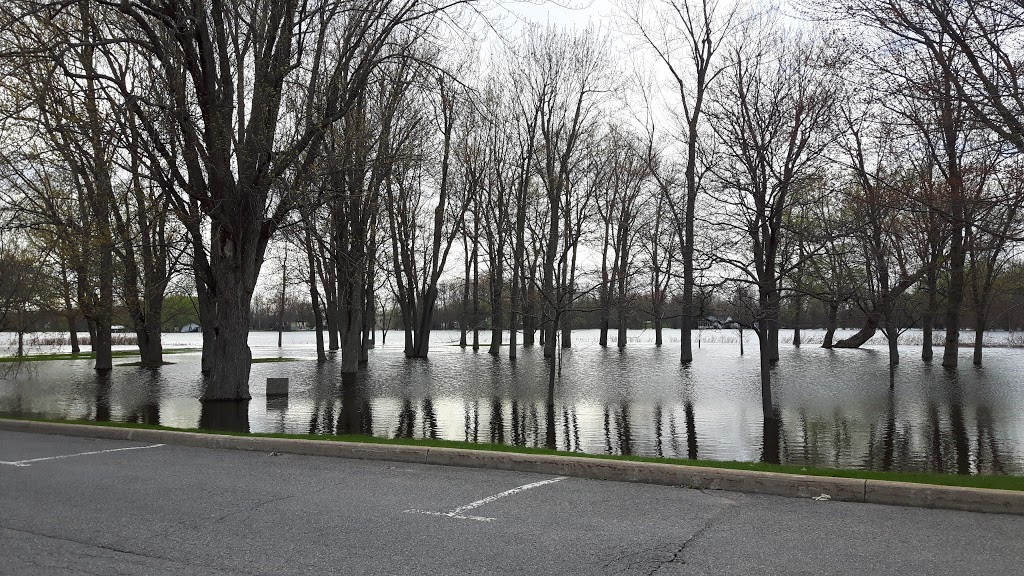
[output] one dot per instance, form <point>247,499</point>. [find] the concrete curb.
<point>748,481</point>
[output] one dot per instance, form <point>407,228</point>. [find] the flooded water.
<point>836,407</point>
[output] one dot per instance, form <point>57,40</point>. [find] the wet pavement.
<point>73,506</point>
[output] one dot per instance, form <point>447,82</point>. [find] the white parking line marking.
<point>458,512</point>
<point>33,460</point>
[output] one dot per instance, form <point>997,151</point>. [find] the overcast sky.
<point>569,12</point>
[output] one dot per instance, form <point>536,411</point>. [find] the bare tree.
<point>774,114</point>
<point>688,37</point>
<point>225,75</point>
<point>565,74</point>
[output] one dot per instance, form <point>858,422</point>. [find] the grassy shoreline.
<point>85,355</point>
<point>1015,483</point>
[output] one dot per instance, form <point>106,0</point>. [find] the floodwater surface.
<point>836,408</point>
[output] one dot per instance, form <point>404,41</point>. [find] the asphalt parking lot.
<point>85,506</point>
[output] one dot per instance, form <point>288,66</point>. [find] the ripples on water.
<point>836,407</point>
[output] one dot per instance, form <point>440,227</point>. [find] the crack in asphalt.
<point>676,556</point>
<point>259,505</point>
<point>117,550</point>
<point>254,508</point>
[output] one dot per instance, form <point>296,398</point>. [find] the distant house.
<point>191,327</point>
<point>709,322</point>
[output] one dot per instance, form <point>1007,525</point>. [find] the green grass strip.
<point>934,478</point>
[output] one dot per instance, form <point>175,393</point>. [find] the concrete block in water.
<point>277,386</point>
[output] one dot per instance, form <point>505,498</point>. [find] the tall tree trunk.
<point>928,319</point>
<point>369,317</point>
<point>950,127</point>
<point>766,375</point>
<point>529,315</point>
<point>91,326</point>
<point>314,292</point>
<point>352,324</point>
<point>476,295</point>
<point>797,320</point>
<point>206,321</point>
<point>954,299</point>
<point>980,320</point>
<point>497,333</point>
<point>105,311</point>
<point>421,343</point>
<point>686,320</point>
<point>892,335</point>
<point>21,336</point>
<point>464,327</point>
<point>149,338</point>
<point>604,291</point>
<point>332,310</point>
<point>621,336</point>
<point>280,304</point>
<point>318,320</point>
<point>332,319</point>
<point>73,335</point>
<point>772,325</point>
<point>566,329</point>
<point>231,358</point>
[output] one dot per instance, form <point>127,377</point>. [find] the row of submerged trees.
<point>760,164</point>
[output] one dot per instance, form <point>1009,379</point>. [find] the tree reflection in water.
<point>771,452</point>
<point>834,410</point>
<point>229,415</point>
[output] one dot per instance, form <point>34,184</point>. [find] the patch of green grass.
<point>934,478</point>
<point>85,355</point>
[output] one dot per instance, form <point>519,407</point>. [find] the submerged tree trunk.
<point>231,356</point>
<point>772,324</point>
<point>928,319</point>
<point>233,270</point>
<point>497,333</point>
<point>892,335</point>
<point>686,321</point>
<point>332,316</point>
<point>529,313</point>
<point>73,335</point>
<point>766,375</point>
<point>981,319</point>
<point>566,330</point>
<point>280,304</point>
<point>476,295</point>
<point>91,326</point>
<point>314,293</point>
<point>464,328</point>
<point>862,335</point>
<point>352,325</point>
<point>954,299</point>
<point>21,337</point>
<point>149,339</point>
<point>797,320</point>
<point>105,312</point>
<point>831,322</point>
